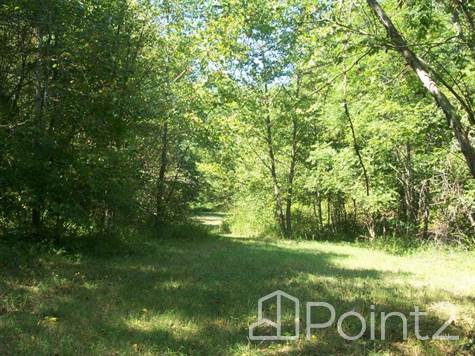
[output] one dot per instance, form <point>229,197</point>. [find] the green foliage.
<point>381,167</point>
<point>251,216</point>
<point>298,117</point>
<point>87,89</point>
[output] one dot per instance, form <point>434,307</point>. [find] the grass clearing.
<point>198,295</point>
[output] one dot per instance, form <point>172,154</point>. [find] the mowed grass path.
<point>198,295</point>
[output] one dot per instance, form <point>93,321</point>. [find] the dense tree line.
<point>300,117</point>
<point>92,102</point>
<point>349,116</point>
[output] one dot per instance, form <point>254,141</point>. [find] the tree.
<point>428,78</point>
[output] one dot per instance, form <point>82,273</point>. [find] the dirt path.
<point>211,219</point>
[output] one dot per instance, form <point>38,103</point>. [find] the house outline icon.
<point>277,324</point>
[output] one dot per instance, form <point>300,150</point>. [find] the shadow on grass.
<point>188,296</point>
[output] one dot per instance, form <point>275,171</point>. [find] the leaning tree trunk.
<point>423,71</point>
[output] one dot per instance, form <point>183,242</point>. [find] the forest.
<point>191,144</point>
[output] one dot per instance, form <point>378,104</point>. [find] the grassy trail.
<point>198,295</point>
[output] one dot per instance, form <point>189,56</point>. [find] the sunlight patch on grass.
<point>171,285</point>
<point>199,296</point>
<point>151,321</point>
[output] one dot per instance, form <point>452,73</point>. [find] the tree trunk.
<point>290,182</point>
<point>424,73</point>
<point>317,209</point>
<point>161,173</point>
<point>279,212</point>
<point>424,208</point>
<point>40,96</point>
<point>161,184</point>
<point>357,148</point>
<point>407,195</point>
